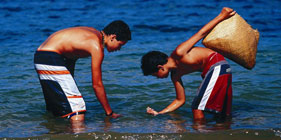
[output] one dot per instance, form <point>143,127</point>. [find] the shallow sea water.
<point>155,25</point>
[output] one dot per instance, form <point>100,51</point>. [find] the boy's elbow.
<point>97,86</point>
<point>181,102</point>
<point>178,53</point>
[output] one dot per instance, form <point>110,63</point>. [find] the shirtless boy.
<point>55,61</point>
<point>215,91</point>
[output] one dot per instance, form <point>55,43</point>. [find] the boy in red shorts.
<point>215,91</point>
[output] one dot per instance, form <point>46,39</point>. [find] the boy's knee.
<point>77,118</point>
<point>77,123</point>
<point>198,114</point>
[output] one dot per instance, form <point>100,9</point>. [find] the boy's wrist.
<point>109,113</point>
<point>220,17</point>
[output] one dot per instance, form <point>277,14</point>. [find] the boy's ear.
<point>112,37</point>
<point>160,67</point>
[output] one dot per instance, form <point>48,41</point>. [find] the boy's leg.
<point>198,120</point>
<point>77,123</point>
<point>77,118</point>
<point>59,87</point>
<point>215,90</point>
<point>198,115</point>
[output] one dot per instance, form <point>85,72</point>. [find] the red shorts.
<point>215,91</point>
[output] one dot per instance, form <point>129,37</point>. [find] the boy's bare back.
<point>194,60</point>
<point>73,43</point>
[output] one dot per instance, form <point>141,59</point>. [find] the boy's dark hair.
<point>120,29</point>
<point>151,60</point>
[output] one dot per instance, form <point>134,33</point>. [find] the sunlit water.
<point>155,25</point>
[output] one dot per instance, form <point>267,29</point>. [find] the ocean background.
<point>156,25</point>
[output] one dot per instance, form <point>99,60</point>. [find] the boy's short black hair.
<point>120,29</point>
<point>151,60</point>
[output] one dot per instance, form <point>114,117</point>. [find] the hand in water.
<point>114,116</point>
<point>151,111</point>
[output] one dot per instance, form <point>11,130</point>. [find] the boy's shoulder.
<point>199,52</point>
<point>195,59</point>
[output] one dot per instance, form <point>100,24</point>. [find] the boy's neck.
<point>103,38</point>
<point>171,64</point>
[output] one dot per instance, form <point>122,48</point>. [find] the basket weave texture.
<point>235,39</point>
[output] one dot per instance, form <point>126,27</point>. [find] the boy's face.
<point>162,72</point>
<point>113,44</point>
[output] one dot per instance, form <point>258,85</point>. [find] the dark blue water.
<point>155,25</point>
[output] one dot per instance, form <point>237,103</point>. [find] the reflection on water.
<point>55,125</point>
<point>78,127</point>
<point>176,123</point>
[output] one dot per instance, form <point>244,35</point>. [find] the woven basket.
<point>235,39</point>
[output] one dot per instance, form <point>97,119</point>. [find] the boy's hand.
<point>151,111</point>
<point>114,115</point>
<point>227,13</point>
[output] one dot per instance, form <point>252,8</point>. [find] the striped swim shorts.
<point>61,94</point>
<point>215,92</point>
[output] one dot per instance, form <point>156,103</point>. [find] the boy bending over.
<point>215,91</point>
<point>55,61</point>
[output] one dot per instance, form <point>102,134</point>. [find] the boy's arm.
<point>97,58</point>
<point>177,103</point>
<point>184,47</point>
<point>180,97</point>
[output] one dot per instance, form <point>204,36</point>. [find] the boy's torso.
<point>194,60</point>
<point>72,43</point>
